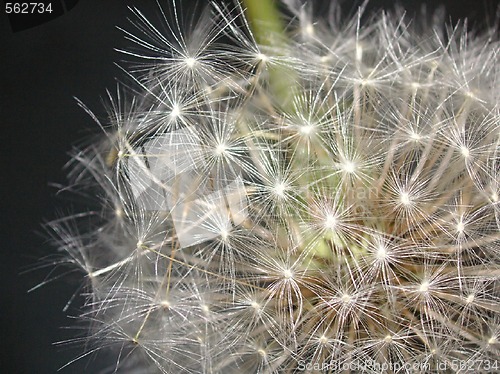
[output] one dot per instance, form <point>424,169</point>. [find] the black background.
<point>41,69</point>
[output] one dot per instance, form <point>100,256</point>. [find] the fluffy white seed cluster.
<point>327,201</point>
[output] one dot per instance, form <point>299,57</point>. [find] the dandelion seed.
<point>346,299</point>
<point>279,189</point>
<point>119,212</point>
<point>306,129</point>
<point>465,151</point>
<point>220,149</point>
<point>381,253</point>
<point>190,62</point>
<point>176,111</point>
<point>424,287</point>
<point>330,221</point>
<point>262,57</point>
<point>288,274</point>
<point>416,137</point>
<point>405,198</point>
<point>323,340</point>
<point>224,234</point>
<point>349,167</point>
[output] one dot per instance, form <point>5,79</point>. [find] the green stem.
<point>267,27</point>
<point>264,19</point>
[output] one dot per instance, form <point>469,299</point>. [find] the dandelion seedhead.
<point>321,197</point>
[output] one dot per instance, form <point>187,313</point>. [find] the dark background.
<point>41,69</point>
